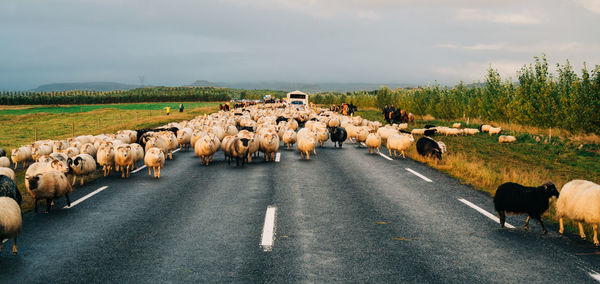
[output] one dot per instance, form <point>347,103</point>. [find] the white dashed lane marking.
<point>139,169</point>
<point>268,233</point>
<point>485,213</point>
<point>383,155</point>
<point>278,157</point>
<point>86,197</point>
<point>419,175</point>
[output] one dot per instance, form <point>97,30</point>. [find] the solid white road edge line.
<point>4,241</point>
<point>485,213</point>
<point>419,175</point>
<point>363,143</point>
<point>86,197</point>
<point>139,169</point>
<point>268,233</point>
<point>383,155</point>
<point>175,151</point>
<point>278,157</point>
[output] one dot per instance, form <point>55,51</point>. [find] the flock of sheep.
<point>242,134</point>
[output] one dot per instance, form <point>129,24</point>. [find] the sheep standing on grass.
<point>49,185</point>
<point>154,160</point>
<point>20,155</point>
<point>580,201</point>
<point>495,130</point>
<point>517,199</point>
<point>2,152</point>
<point>506,139</point>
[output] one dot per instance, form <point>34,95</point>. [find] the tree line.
<point>148,94</point>
<point>539,98</point>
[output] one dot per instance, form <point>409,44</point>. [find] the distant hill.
<point>306,87</point>
<point>91,86</point>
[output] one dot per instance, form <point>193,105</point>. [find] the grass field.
<point>62,122</point>
<point>21,110</point>
<point>482,162</point>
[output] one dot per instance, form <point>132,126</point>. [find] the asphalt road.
<point>343,216</point>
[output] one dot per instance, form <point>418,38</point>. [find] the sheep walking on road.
<point>517,199</point>
<point>580,201</point>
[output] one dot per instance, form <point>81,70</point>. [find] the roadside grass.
<point>18,130</point>
<point>20,110</point>
<point>483,163</point>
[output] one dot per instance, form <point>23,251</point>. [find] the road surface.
<point>343,216</point>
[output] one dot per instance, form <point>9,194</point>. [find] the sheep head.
<point>550,189</point>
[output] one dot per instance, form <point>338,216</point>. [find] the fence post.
<point>98,122</point>
<point>73,129</point>
<point>550,139</point>
<point>35,138</point>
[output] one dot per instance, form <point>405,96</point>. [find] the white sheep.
<point>580,201</point>
<point>8,172</point>
<point>306,144</point>
<point>20,155</point>
<point>506,139</point>
<point>322,135</point>
<point>82,165</point>
<point>495,130</point>
<point>11,222</point>
<point>418,131</point>
<point>485,128</point>
<point>361,134</point>
<point>138,153</point>
<point>4,162</point>
<point>269,144</point>
<point>399,143</point>
<point>88,148</point>
<point>41,150</point>
<point>204,149</point>
<point>289,138</point>
<point>456,125</point>
<point>184,137</point>
<point>373,142</point>
<point>72,151</point>
<point>470,131</point>
<point>49,185</point>
<point>106,158</point>
<point>154,160</point>
<point>124,160</point>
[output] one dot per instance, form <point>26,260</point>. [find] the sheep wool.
<point>580,201</point>
<point>506,139</point>
<point>399,143</point>
<point>495,130</point>
<point>154,160</point>
<point>49,185</point>
<point>289,138</point>
<point>82,165</point>
<point>373,142</point>
<point>11,222</point>
<point>8,172</point>
<point>4,162</point>
<point>8,188</point>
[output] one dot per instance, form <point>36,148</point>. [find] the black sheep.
<point>8,188</point>
<point>517,199</point>
<point>430,132</point>
<point>428,147</point>
<point>404,131</point>
<point>279,119</point>
<point>338,134</point>
<point>429,126</point>
<point>2,152</point>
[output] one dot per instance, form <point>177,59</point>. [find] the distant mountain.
<point>306,87</point>
<point>91,86</point>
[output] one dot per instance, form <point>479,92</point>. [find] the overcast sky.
<point>375,41</point>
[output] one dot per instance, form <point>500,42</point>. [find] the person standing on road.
<point>180,107</point>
